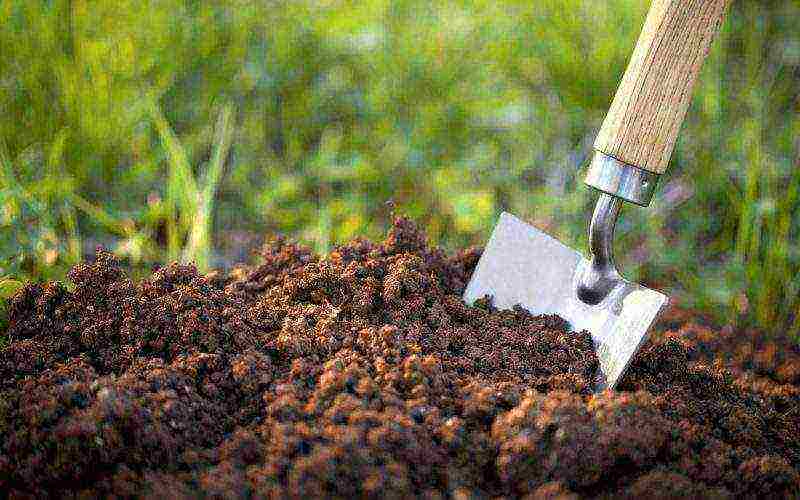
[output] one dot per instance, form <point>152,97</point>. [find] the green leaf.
<point>8,287</point>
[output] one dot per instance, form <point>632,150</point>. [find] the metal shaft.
<point>602,275</point>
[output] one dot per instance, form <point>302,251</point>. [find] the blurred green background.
<point>183,129</point>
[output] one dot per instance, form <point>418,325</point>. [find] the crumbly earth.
<point>362,374</point>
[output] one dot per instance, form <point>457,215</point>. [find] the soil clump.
<point>363,374</point>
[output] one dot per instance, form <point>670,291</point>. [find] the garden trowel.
<point>524,266</point>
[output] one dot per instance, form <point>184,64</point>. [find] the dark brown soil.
<point>363,374</point>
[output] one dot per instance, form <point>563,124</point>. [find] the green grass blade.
<point>182,197</point>
<point>199,244</point>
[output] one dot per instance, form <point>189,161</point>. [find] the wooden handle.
<point>643,123</point>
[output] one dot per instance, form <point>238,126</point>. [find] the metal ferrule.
<point>621,180</point>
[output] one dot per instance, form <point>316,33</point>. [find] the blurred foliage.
<point>168,130</point>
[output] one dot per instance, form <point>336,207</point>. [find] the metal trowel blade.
<point>523,266</point>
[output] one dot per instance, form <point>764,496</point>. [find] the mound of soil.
<point>363,374</point>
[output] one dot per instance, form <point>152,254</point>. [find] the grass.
<point>190,201</point>
<point>173,133</point>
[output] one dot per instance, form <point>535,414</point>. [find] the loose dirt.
<point>363,374</point>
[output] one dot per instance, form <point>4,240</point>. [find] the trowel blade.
<point>523,266</point>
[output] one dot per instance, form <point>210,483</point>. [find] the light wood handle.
<point>644,120</point>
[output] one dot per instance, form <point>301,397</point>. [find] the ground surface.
<point>364,374</point>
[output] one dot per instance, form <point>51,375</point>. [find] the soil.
<point>362,374</point>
